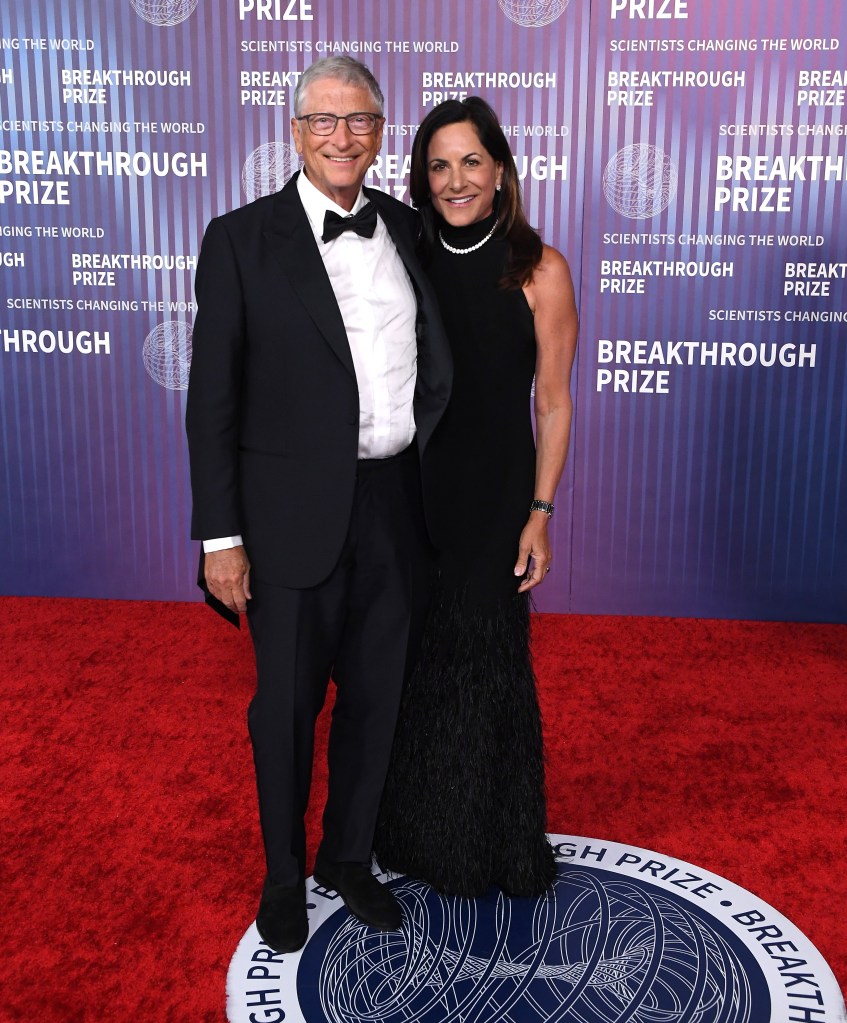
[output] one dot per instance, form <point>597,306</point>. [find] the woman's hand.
<point>534,555</point>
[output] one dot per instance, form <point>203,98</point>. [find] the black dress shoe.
<point>281,921</point>
<point>364,896</point>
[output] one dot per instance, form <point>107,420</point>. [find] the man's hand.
<point>228,577</point>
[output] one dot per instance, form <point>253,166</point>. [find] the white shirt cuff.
<point>222,543</point>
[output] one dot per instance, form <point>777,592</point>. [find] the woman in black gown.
<point>463,806</point>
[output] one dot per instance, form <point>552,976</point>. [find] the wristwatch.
<point>544,506</point>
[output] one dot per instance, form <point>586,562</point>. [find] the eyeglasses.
<point>360,123</point>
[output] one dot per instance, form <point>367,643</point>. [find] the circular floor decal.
<point>626,936</point>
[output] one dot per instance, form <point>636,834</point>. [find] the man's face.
<point>336,164</point>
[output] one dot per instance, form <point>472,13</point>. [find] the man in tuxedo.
<point>319,372</point>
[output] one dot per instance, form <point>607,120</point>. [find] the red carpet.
<point>131,857</point>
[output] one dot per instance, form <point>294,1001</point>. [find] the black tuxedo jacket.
<point>273,406</point>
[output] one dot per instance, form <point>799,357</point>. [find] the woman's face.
<point>463,175</point>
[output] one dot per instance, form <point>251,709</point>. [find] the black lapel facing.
<point>290,239</point>
<point>401,238</point>
<point>435,364</point>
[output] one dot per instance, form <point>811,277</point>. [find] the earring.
<point>497,188</point>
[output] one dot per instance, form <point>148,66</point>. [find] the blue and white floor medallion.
<point>625,936</point>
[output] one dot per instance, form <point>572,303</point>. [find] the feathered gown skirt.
<point>463,806</point>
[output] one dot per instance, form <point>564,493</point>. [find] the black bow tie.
<point>363,223</point>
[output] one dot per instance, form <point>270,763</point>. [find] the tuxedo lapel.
<point>402,242</point>
<point>435,364</point>
<point>292,242</point>
<point>405,245</point>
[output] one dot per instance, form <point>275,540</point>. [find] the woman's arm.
<point>550,296</point>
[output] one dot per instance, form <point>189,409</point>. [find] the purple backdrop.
<point>702,480</point>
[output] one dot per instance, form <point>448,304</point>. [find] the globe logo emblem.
<point>639,181</point>
<point>164,12</point>
<point>267,169</point>
<point>600,948</point>
<point>638,939</point>
<point>167,354</point>
<point>533,13</point>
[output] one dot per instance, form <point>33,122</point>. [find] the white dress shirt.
<point>378,307</point>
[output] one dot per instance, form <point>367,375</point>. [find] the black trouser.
<point>361,626</point>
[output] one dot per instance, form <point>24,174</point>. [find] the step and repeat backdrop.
<point>689,158</point>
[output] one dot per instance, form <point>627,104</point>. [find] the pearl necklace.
<point>470,248</point>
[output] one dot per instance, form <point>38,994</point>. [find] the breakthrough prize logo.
<point>533,13</point>
<point>624,936</point>
<point>164,12</point>
<point>267,169</point>
<point>639,181</point>
<point>167,354</point>
<point>600,949</point>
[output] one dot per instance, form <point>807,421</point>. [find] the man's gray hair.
<point>346,70</point>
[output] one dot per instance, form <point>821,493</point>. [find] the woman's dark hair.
<point>524,243</point>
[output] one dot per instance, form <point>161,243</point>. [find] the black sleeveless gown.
<point>463,806</point>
